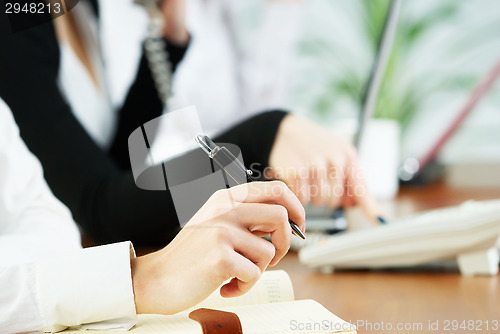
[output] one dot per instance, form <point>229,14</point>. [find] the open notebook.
<point>268,308</point>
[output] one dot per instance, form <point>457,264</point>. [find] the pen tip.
<point>296,231</point>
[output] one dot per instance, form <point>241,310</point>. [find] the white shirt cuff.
<point>92,286</point>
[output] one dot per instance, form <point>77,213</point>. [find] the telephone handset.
<point>156,51</point>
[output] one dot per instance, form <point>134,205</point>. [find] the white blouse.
<point>90,104</point>
<point>47,281</point>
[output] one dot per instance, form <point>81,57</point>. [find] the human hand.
<point>222,241</point>
<point>319,167</point>
<point>174,17</point>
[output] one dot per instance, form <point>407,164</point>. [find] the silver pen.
<point>224,158</point>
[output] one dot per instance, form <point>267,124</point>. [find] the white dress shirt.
<point>47,281</point>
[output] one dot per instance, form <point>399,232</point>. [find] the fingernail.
<point>381,220</point>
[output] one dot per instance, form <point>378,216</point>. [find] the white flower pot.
<point>379,157</point>
<point>378,154</point>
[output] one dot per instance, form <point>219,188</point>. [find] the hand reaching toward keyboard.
<point>319,167</point>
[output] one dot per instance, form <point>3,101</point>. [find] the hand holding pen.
<point>233,168</point>
<point>220,246</point>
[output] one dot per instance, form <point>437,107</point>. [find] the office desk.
<point>417,299</point>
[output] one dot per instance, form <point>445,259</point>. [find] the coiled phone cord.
<point>158,59</point>
<point>156,50</point>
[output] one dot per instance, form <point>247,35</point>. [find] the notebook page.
<point>295,317</point>
<point>274,286</point>
<point>301,316</point>
<point>161,324</point>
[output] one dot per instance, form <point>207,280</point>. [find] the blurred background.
<point>441,51</point>
<point>313,57</point>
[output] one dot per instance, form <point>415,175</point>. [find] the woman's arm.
<point>255,137</point>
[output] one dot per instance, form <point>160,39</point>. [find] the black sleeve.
<point>255,137</point>
<point>99,189</point>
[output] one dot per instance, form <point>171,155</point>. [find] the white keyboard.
<point>434,235</point>
<point>312,238</point>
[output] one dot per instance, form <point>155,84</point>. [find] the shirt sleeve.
<point>92,286</point>
<point>48,282</point>
<point>89,289</point>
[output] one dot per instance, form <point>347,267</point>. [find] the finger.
<point>304,194</point>
<point>358,189</point>
<point>336,189</point>
<point>254,248</point>
<point>274,192</point>
<point>297,180</point>
<point>348,201</point>
<point>281,239</point>
<point>319,185</point>
<point>338,184</point>
<point>294,185</point>
<point>264,219</point>
<point>245,274</point>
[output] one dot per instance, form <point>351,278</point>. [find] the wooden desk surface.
<point>418,299</point>
<point>432,301</point>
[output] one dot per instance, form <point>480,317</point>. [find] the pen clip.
<point>211,149</point>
